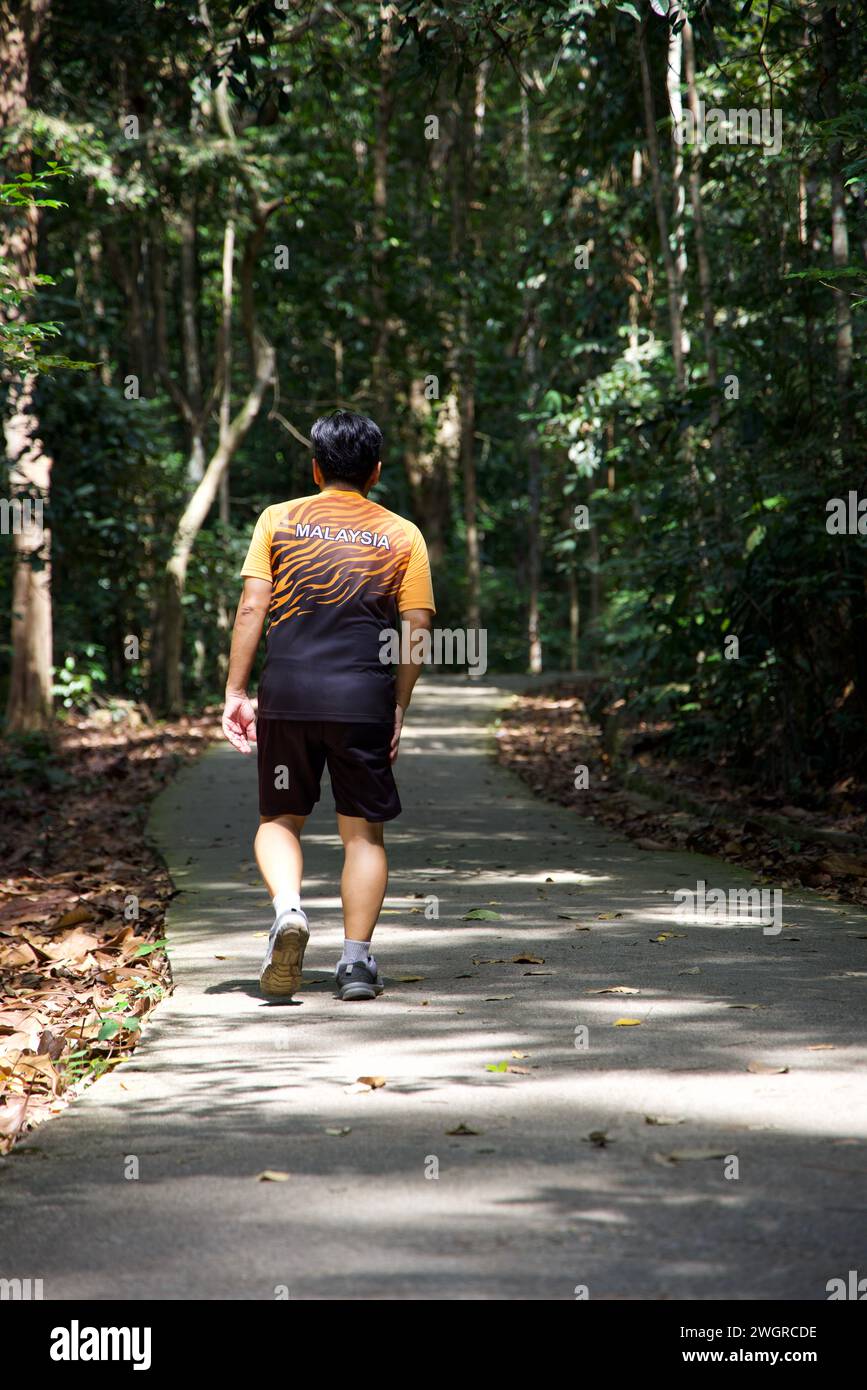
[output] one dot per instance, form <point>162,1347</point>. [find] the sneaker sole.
<point>282,976</point>
<point>352,993</point>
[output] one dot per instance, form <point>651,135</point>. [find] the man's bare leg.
<point>278,853</point>
<point>365,876</point>
<point>362,890</point>
<point>279,856</point>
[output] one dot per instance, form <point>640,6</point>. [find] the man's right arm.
<point>239,720</point>
<point>408,672</point>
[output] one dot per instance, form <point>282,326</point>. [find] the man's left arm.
<point>239,717</point>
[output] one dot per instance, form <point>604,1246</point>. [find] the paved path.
<point>226,1085</point>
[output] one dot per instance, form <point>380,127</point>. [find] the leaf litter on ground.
<point>79,972</point>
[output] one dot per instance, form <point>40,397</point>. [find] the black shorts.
<point>293,752</point>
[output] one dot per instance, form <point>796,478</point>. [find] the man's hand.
<point>239,720</point>
<point>395,738</point>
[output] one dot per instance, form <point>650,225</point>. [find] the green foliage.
<point>21,341</point>
<point>707,510</point>
<point>74,684</point>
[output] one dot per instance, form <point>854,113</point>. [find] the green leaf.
<point>480,914</point>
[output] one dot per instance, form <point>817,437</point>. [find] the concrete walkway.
<point>226,1085</point>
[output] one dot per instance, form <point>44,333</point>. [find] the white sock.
<point>355,950</point>
<point>286,902</point>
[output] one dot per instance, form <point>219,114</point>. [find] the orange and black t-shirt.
<point>342,569</point>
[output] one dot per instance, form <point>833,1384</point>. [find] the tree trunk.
<point>191,523</point>
<point>379,229</point>
<point>839,228</point>
<point>470,125</point>
<point>668,260</point>
<point>574,615</point>
<point>703,263</point>
<point>29,703</point>
<point>534,453</point>
<point>673,71</point>
<point>430,454</point>
<point>232,433</point>
<point>189,316</point>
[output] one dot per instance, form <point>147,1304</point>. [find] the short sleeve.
<point>416,591</point>
<point>258,562</point>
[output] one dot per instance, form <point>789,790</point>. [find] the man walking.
<point>331,572</point>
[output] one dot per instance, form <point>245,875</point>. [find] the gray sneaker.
<point>358,980</point>
<point>281,969</point>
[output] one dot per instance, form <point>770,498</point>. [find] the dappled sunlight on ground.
<point>549,1174</point>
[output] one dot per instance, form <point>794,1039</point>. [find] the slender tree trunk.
<point>191,356</point>
<point>430,455</point>
<point>534,453</point>
<point>574,615</point>
<point>668,260</point>
<point>232,433</point>
<point>470,125</point>
<point>704,275</point>
<point>807,240</point>
<point>29,704</point>
<point>595,578</point>
<point>673,73</point>
<point>226,356</point>
<point>379,229</point>
<point>839,227</point>
<point>708,315</point>
<point>672,276</point>
<point>571,572</point>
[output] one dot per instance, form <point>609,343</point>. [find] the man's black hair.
<point>346,446</point>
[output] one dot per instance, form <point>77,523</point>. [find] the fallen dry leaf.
<point>526,959</point>
<point>616,989</point>
<point>765,1069</point>
<point>374,1082</point>
<point>12,1115</point>
<point>626,1022</point>
<point>464,1129</point>
<point>664,1120</point>
<point>690,1155</point>
<point>74,947</point>
<point>77,914</point>
<point>272,1175</point>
